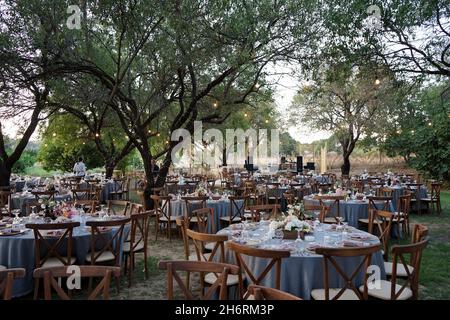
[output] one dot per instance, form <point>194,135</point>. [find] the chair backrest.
<point>328,203</point>
<point>81,194</point>
<point>51,274</point>
<point>191,202</point>
<point>436,191</point>
<point>380,223</point>
<point>329,258</point>
<point>49,195</point>
<point>269,209</point>
<point>237,207</point>
<point>140,227</point>
<point>203,216</point>
<point>5,200</point>
<point>313,209</point>
<point>7,277</point>
<point>385,192</point>
<point>46,247</point>
<point>119,207</point>
<point>198,266</point>
<point>275,257</point>
<point>182,224</point>
<point>379,203</point>
<point>107,244</point>
<point>33,205</point>
<point>420,232</point>
<point>415,251</point>
<point>136,208</point>
<point>200,239</point>
<point>404,205</point>
<point>265,293</point>
<point>162,206</point>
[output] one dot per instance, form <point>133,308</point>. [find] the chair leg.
<point>36,289</point>
<point>145,264</point>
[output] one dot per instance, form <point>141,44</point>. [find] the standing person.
<point>79,168</point>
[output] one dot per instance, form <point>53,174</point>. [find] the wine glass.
<point>16,213</point>
<point>278,234</point>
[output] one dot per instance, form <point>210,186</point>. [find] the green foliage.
<point>288,145</point>
<point>27,160</point>
<point>422,136</point>
<point>63,141</point>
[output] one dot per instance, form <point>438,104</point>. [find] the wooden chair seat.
<point>210,246</point>
<point>319,294</point>
<point>2,267</point>
<point>384,292</point>
<point>105,256</point>
<point>234,219</point>
<point>401,271</point>
<point>55,262</point>
<point>366,221</point>
<point>232,279</point>
<point>165,219</point>
<point>127,247</point>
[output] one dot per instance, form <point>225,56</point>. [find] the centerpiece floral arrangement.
<point>200,190</point>
<point>291,226</point>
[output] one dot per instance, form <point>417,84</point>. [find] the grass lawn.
<point>435,272</point>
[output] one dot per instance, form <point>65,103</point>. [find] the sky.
<point>285,85</point>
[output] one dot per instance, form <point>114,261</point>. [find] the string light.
<point>429,123</point>
<point>377,81</point>
<point>158,134</point>
<point>215,104</point>
<point>245,114</point>
<point>46,145</point>
<point>412,131</point>
<point>399,131</point>
<point>54,134</point>
<point>257,85</point>
<point>267,121</point>
<point>149,131</point>
<point>97,135</point>
<point>167,142</point>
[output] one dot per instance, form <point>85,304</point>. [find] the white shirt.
<point>79,168</point>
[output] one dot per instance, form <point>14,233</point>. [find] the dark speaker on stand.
<point>299,164</point>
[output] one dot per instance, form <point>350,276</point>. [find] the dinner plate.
<point>9,232</point>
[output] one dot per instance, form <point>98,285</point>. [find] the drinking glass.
<point>278,234</point>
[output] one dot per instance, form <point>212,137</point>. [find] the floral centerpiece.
<point>291,226</point>
<point>200,190</point>
<point>296,209</point>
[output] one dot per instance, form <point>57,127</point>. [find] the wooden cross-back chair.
<point>275,257</point>
<point>266,293</point>
<point>434,197</point>
<point>164,217</point>
<point>273,193</point>
<point>7,277</point>
<point>380,223</point>
<point>236,210</point>
<point>409,288</point>
<point>81,194</point>
<point>140,226</point>
<point>192,203</point>
<point>420,232</point>
<point>376,203</point>
<point>44,195</point>
<point>401,216</point>
<point>89,206</point>
<point>118,189</point>
<point>51,274</point>
<point>385,192</point>
<point>204,217</point>
<point>119,207</point>
<point>217,254</point>
<point>49,240</point>
<point>312,210</point>
<point>106,235</point>
<point>269,210</point>
<point>289,197</point>
<point>202,267</point>
<point>350,290</point>
<point>5,203</point>
<point>328,216</point>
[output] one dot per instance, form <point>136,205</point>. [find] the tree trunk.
<point>109,169</point>
<point>345,168</point>
<point>148,191</point>
<point>5,175</point>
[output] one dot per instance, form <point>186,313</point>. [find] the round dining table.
<point>18,251</point>
<point>221,208</point>
<point>303,271</point>
<point>20,200</point>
